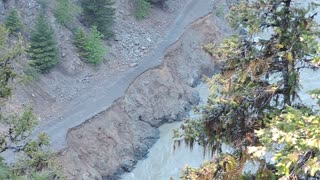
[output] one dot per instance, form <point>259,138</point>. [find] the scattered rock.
<point>133,64</point>
<point>137,51</point>
<point>117,38</point>
<point>128,165</point>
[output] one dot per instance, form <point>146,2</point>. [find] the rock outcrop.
<point>112,142</point>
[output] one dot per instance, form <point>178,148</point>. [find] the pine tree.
<point>99,13</point>
<point>90,48</point>
<point>13,22</point>
<point>142,9</point>
<point>95,47</point>
<point>43,50</point>
<point>80,42</point>
<point>66,12</point>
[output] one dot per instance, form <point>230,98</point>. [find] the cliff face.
<point>112,142</point>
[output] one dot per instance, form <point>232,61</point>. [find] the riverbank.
<point>111,143</point>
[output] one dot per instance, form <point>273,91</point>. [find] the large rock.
<point>157,97</point>
<point>162,3</point>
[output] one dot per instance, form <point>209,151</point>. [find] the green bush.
<point>142,9</point>
<point>90,47</point>
<point>99,13</point>
<point>43,50</point>
<point>66,12</point>
<point>13,23</point>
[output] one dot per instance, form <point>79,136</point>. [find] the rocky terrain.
<point>113,141</point>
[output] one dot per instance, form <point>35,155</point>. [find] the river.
<point>163,161</point>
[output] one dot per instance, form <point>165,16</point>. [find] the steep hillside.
<point>112,142</point>
<point>72,78</point>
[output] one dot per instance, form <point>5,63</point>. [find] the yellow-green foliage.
<point>7,55</point>
<point>297,132</point>
<point>224,167</point>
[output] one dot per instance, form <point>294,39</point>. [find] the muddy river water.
<point>163,161</point>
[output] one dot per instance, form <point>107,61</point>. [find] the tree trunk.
<point>285,66</point>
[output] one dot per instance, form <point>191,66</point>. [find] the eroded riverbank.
<point>111,143</point>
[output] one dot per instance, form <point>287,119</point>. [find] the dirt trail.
<point>91,104</point>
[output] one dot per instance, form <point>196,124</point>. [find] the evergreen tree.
<point>66,12</point>
<point>91,48</point>
<point>142,9</point>
<point>80,41</point>
<point>99,13</point>
<point>43,49</point>
<point>95,47</point>
<point>13,22</point>
<point>253,103</point>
